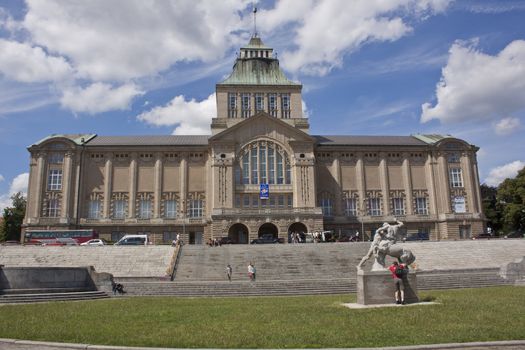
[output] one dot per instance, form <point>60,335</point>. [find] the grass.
<point>466,315</point>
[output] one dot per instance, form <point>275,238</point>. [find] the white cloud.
<point>507,126</point>
<point>124,39</point>
<point>1,178</point>
<point>327,30</point>
<point>498,174</point>
<point>190,117</point>
<point>477,86</point>
<point>24,63</point>
<point>99,97</point>
<point>19,184</point>
<point>306,111</point>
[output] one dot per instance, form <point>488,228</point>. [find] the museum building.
<point>259,172</point>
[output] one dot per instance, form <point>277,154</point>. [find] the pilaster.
<point>157,186</point>
<point>443,187</point>
<point>184,185</point>
<point>383,178</point>
<point>40,183</point>
<point>338,195</point>
<point>466,169</point>
<point>132,185</point>
<point>407,182</point>
<point>361,186</point>
<point>66,186</point>
<point>108,185</point>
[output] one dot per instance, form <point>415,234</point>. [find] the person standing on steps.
<point>229,272</point>
<point>251,271</point>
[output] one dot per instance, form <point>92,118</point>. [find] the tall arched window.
<point>264,162</point>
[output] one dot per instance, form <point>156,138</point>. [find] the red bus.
<point>59,237</point>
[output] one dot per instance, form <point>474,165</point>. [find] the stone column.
<point>40,183</point>
<point>407,182</point>
<point>132,185</point>
<point>157,186</point>
<point>431,184</point>
<point>361,186</point>
<point>66,187</point>
<point>466,169</point>
<point>475,174</point>
<point>184,185</point>
<point>385,188</point>
<point>108,186</point>
<point>338,194</point>
<point>443,187</point>
<point>78,189</point>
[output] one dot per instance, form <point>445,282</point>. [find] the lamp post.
<point>363,212</point>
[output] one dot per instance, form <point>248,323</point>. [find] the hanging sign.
<point>264,191</point>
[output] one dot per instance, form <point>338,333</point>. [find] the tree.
<point>491,207</point>
<point>13,217</point>
<point>511,196</point>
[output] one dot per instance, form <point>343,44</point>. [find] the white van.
<point>133,240</point>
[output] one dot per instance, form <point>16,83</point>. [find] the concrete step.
<point>43,291</point>
<point>47,297</point>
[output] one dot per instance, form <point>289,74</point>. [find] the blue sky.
<point>368,67</point>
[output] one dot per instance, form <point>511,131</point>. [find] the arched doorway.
<point>268,229</point>
<point>298,227</point>
<point>238,233</point>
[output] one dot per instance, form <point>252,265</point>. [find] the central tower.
<point>258,85</point>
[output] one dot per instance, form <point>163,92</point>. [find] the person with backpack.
<point>398,271</point>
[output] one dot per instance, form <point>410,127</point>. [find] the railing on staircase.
<point>172,268</point>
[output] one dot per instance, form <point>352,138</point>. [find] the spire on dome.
<point>254,20</point>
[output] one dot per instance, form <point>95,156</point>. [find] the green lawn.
<point>486,314</point>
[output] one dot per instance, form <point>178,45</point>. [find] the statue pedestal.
<point>377,287</point>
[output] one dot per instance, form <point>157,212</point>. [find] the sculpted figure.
<point>384,244</point>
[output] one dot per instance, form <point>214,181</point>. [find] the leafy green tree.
<point>511,196</point>
<point>13,217</point>
<point>491,207</point>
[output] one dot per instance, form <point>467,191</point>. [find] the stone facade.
<point>209,186</point>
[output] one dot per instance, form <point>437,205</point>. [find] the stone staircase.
<point>39,296</point>
<point>148,262</point>
<point>282,269</point>
<point>242,288</point>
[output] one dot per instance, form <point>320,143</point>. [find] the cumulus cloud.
<point>507,126</point>
<point>124,39</point>
<point>190,117</point>
<point>24,63</point>
<point>478,86</point>
<point>1,178</point>
<point>99,97</point>
<point>346,26</point>
<point>19,184</point>
<point>507,171</point>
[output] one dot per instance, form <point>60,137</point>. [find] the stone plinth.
<point>377,287</point>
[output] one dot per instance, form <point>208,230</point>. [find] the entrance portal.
<point>299,228</point>
<point>268,229</point>
<point>238,233</point>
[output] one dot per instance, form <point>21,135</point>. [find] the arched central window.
<point>263,162</point>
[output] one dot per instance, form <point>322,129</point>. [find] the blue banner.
<point>264,192</point>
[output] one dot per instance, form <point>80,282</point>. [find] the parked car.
<point>515,234</point>
<point>133,240</point>
<point>11,243</point>
<point>94,242</point>
<point>226,240</point>
<point>267,239</point>
<point>483,235</point>
<point>420,236</point>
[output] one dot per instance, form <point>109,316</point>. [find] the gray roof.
<point>151,140</point>
<point>362,140</point>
